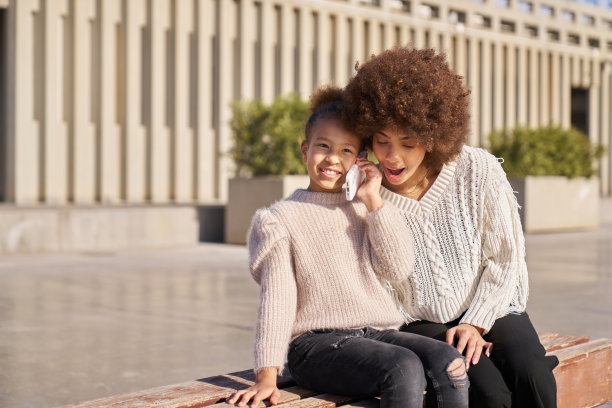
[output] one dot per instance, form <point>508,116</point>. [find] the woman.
<point>469,287</point>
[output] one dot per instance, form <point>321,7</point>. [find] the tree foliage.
<point>545,151</point>
<point>267,138</point>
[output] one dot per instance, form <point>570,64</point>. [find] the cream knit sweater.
<point>317,257</point>
<point>468,243</point>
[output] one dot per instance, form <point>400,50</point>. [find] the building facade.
<point>128,101</point>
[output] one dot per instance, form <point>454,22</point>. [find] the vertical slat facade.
<point>128,101</point>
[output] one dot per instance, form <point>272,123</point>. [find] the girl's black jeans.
<point>368,362</point>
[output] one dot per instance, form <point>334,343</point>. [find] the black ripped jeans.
<point>368,362</point>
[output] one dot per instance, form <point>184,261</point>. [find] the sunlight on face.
<point>329,155</point>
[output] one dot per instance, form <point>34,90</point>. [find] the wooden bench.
<point>584,379</point>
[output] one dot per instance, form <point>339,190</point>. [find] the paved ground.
<point>75,327</point>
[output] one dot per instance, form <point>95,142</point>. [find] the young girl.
<point>469,287</point>
<point>317,258</point>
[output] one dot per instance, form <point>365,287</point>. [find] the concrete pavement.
<point>80,326</point>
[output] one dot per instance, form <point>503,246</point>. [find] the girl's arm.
<point>271,266</point>
<point>389,238</point>
<point>503,253</point>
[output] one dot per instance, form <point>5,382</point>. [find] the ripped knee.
<point>457,373</point>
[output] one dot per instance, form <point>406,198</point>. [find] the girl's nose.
<point>333,157</point>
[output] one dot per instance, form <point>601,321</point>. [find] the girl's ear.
<point>304,149</point>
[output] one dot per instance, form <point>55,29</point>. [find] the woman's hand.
<point>369,191</point>
<point>264,387</point>
<point>469,338</point>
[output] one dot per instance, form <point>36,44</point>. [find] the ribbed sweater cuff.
<point>483,317</point>
<point>272,357</point>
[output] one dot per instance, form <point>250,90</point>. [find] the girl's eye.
<point>380,142</point>
<point>347,151</point>
<point>409,147</point>
<point>323,145</point>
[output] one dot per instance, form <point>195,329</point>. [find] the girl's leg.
<point>522,360</point>
<point>444,367</point>
<point>487,386</point>
<point>347,363</point>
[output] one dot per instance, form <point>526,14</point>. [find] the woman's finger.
<point>450,336</point>
<point>462,342</point>
<point>470,350</point>
<point>477,352</point>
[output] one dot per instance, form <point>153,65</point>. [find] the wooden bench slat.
<point>559,342</point>
<point>320,401</point>
<point>190,394</point>
<point>584,374</point>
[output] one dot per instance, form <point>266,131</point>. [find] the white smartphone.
<point>353,180</point>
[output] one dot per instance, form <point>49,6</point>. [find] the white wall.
<point>127,101</point>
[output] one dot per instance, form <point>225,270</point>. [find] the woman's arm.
<point>504,272</point>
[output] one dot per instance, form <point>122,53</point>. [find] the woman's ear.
<point>304,149</point>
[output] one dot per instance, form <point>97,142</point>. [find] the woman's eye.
<point>409,147</point>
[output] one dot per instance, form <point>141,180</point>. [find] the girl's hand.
<point>469,338</point>
<point>369,191</point>
<point>265,387</point>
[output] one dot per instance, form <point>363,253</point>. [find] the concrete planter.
<point>246,195</point>
<point>557,203</point>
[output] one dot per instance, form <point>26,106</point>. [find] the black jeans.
<point>368,362</point>
<point>518,374</point>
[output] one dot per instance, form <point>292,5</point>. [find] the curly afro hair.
<point>415,91</point>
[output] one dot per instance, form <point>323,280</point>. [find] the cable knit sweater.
<point>468,243</point>
<point>317,257</point>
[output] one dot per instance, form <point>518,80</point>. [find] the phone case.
<point>351,184</point>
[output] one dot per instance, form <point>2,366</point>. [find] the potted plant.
<point>266,152</point>
<point>554,174</point>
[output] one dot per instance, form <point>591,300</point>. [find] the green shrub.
<point>545,151</point>
<point>267,138</point>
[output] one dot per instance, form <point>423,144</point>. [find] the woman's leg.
<point>487,386</point>
<point>522,360</point>
<point>348,363</point>
<point>444,367</point>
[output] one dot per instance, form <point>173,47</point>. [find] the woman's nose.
<point>391,153</point>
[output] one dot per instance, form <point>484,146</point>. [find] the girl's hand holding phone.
<point>369,191</point>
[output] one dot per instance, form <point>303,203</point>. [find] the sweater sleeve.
<point>390,244</point>
<point>270,264</point>
<point>503,254</point>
